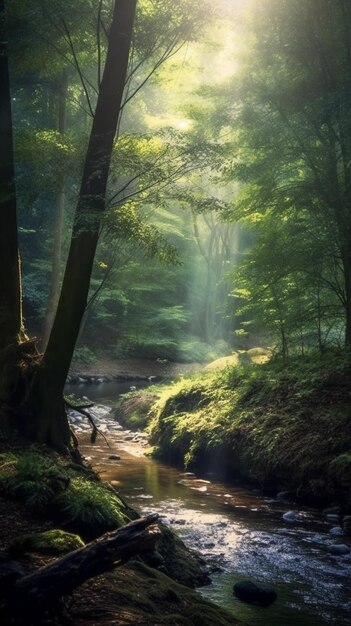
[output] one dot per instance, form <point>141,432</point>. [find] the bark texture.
<point>11,327</point>
<point>91,203</point>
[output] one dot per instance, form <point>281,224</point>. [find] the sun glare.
<point>183,124</point>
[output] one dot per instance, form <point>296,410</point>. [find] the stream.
<point>240,533</point>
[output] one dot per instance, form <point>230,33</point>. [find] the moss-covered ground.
<point>282,426</point>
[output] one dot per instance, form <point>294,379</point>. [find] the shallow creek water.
<point>240,533</point>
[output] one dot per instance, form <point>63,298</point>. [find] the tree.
<point>42,400</point>
<point>11,324</point>
<point>32,384</point>
<point>289,105</point>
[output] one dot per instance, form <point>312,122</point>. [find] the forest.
<point>175,312</point>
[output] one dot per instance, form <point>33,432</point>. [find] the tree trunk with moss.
<point>35,403</point>
<point>11,327</point>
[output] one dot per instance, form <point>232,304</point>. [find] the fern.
<point>90,507</point>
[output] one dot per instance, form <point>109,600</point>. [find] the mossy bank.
<point>50,506</point>
<point>281,426</point>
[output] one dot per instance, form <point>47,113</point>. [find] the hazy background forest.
<point>228,222</point>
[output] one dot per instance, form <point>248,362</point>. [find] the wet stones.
<point>336,531</point>
<point>290,517</point>
<point>250,593</point>
<point>90,379</point>
<point>339,549</point>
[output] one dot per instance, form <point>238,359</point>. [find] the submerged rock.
<point>339,548</point>
<point>337,531</point>
<point>290,516</point>
<point>248,592</point>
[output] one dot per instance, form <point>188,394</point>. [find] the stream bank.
<point>281,428</point>
<point>239,532</point>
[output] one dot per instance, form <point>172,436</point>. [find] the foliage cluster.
<point>279,426</point>
<point>288,107</point>
<point>68,494</point>
<point>149,258</point>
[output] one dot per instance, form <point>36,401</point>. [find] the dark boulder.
<point>10,572</point>
<point>248,592</point>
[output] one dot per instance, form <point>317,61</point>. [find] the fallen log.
<point>48,584</point>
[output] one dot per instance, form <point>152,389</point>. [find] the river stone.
<point>248,592</point>
<point>339,548</point>
<point>114,457</point>
<point>290,516</point>
<point>336,531</point>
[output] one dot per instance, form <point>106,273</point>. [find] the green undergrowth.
<point>51,487</point>
<point>277,425</point>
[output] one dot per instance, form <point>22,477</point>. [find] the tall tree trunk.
<point>59,214</point>
<point>346,260</point>
<point>11,324</point>
<point>46,394</point>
